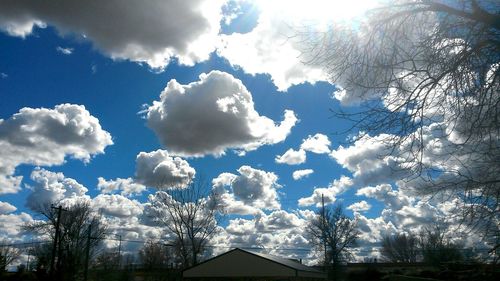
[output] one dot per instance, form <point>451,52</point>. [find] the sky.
<point>104,102</point>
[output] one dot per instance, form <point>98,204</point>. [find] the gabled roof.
<point>245,263</point>
<point>286,262</point>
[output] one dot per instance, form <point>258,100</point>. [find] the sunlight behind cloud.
<point>318,11</point>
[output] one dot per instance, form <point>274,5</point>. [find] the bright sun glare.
<point>321,11</point>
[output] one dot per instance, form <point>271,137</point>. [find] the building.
<point>240,264</point>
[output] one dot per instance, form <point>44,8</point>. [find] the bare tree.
<point>154,255</point>
<point>191,215</point>
<point>437,247</point>
<point>8,254</point>
<point>400,248</point>
<point>72,237</point>
<point>426,76</point>
<point>332,229</point>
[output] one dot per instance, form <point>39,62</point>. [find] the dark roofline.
<point>306,268</point>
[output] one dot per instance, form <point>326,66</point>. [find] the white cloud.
<point>393,199</point>
<point>318,143</point>
<point>159,169</point>
<point>292,157</point>
<point>125,186</point>
<point>212,115</point>
<point>6,207</point>
<point>361,206</point>
<point>50,187</point>
<point>64,51</point>
<point>297,175</point>
<point>370,160</point>
<point>270,48</point>
<point>116,205</point>
<point>329,194</point>
<point>153,32</point>
<point>12,224</point>
<point>249,191</point>
<point>44,137</point>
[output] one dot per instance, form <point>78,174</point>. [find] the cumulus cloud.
<point>159,169</point>
<point>318,143</point>
<point>248,192</point>
<point>12,224</point>
<point>211,115</point>
<point>64,51</point>
<point>270,48</point>
<point>153,32</point>
<point>126,186</point>
<point>6,207</point>
<point>329,193</point>
<point>394,199</point>
<point>292,157</point>
<point>44,137</point>
<point>50,187</point>
<point>297,175</point>
<point>370,160</point>
<point>361,206</point>
<point>116,205</point>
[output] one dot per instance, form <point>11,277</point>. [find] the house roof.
<point>245,263</point>
<point>287,262</point>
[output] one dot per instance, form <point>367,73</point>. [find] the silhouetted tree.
<point>332,228</point>
<point>426,75</point>
<point>400,248</point>
<point>8,254</point>
<point>72,241</point>
<point>437,248</point>
<point>191,215</point>
<point>154,255</point>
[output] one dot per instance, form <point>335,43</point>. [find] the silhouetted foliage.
<point>426,75</point>
<point>437,248</point>
<point>72,242</point>
<point>400,248</point>
<point>331,227</point>
<point>191,215</point>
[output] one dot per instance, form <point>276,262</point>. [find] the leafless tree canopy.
<point>437,248</point>
<point>400,248</point>
<point>154,255</point>
<point>72,241</point>
<point>331,227</point>
<point>425,77</point>
<point>191,215</point>
<point>8,254</point>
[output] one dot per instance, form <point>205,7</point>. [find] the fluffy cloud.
<point>249,191</point>
<point>271,48</point>
<point>297,175</point>
<point>153,32</point>
<point>44,137</point>
<point>329,194</point>
<point>360,206</point>
<point>159,169</point>
<point>11,229</point>
<point>6,207</point>
<point>116,205</point>
<point>50,187</point>
<point>292,157</point>
<point>212,115</point>
<point>126,186</point>
<point>370,160</point>
<point>318,143</point>
<point>393,199</point>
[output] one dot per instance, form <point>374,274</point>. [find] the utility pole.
<point>54,246</point>
<point>323,221</point>
<point>87,253</point>
<point>119,251</point>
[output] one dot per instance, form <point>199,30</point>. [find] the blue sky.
<point>110,73</point>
